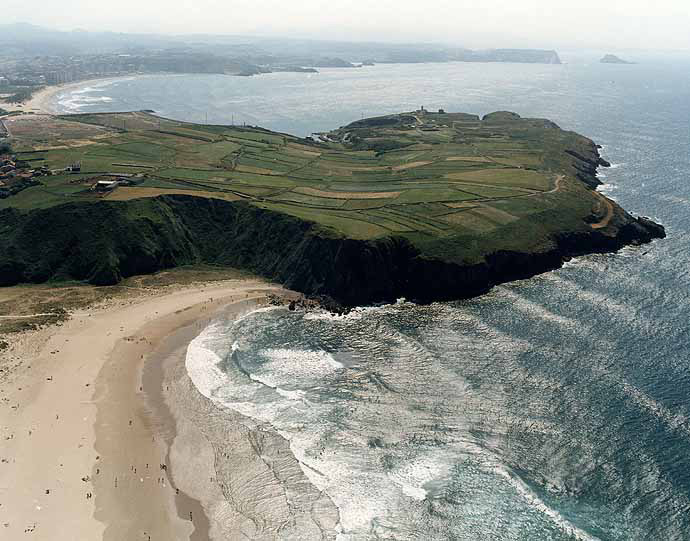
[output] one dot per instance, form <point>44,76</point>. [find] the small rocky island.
<point>423,205</point>
<point>613,59</point>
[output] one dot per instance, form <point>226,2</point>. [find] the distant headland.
<point>613,59</point>
<point>37,57</point>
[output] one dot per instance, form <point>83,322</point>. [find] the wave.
<point>294,367</point>
<point>601,302</point>
<point>354,314</point>
<point>607,187</point>
<point>674,421</point>
<point>414,477</point>
<point>535,501</point>
<point>430,388</point>
<point>203,360</point>
<point>77,102</point>
<point>291,376</point>
<point>340,432</point>
<point>77,98</point>
<point>538,310</point>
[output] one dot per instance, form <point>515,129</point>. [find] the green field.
<point>423,175</point>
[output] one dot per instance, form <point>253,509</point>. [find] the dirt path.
<point>604,222</point>
<point>556,184</point>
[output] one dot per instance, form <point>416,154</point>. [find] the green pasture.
<point>422,175</point>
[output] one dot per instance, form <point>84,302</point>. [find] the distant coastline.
<point>43,101</point>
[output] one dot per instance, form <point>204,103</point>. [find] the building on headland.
<point>105,185</point>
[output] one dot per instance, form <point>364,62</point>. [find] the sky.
<point>590,24</point>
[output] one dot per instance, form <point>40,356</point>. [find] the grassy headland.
<point>426,205</point>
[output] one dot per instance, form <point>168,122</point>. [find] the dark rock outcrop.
<point>587,166</point>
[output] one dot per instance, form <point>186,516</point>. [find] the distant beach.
<point>44,101</point>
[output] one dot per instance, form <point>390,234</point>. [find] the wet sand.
<point>134,431</point>
<point>242,472</point>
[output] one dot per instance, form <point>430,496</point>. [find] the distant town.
<point>19,78</point>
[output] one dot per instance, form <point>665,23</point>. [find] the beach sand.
<point>42,102</point>
<point>105,437</point>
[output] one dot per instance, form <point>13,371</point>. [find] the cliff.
<point>105,242</point>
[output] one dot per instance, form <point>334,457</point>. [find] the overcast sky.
<point>607,24</point>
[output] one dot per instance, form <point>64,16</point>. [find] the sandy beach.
<point>42,101</point>
<point>105,437</point>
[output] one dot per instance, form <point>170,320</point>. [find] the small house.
<point>105,185</point>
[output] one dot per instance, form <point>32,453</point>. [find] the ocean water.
<point>552,408</point>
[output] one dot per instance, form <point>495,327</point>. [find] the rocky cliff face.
<point>106,242</point>
<point>586,166</point>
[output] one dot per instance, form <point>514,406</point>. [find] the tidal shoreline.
<point>139,474</point>
<point>241,472</point>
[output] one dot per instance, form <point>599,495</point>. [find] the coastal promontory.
<point>424,205</point>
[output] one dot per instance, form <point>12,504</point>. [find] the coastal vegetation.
<point>22,95</point>
<point>34,306</point>
<point>428,205</point>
